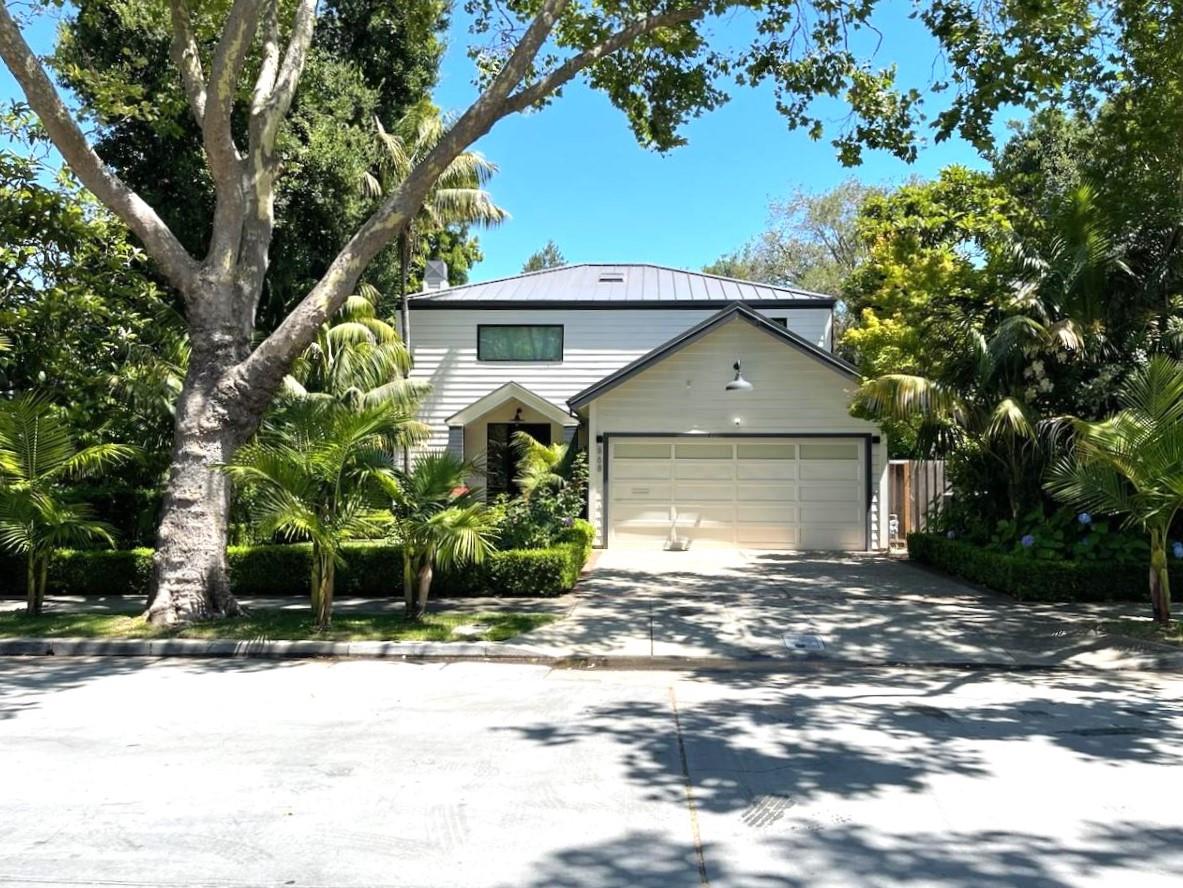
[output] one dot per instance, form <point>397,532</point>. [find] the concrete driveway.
<point>861,608</point>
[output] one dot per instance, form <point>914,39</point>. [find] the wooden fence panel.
<point>915,488</point>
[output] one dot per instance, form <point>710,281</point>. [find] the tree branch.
<point>269,67</point>
<point>186,57</point>
<point>159,242</point>
<point>293,61</point>
<point>222,155</point>
<point>259,375</point>
<point>547,85</point>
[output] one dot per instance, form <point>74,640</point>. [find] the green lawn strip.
<point>1146,630</point>
<point>273,625</point>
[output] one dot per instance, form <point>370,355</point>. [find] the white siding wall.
<point>597,343</point>
<point>793,393</point>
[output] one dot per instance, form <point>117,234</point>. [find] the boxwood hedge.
<point>372,569</point>
<point>1029,579</point>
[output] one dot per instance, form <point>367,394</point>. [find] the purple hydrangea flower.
<point>1085,518</point>
<point>952,534</point>
<point>1177,550</point>
<point>1028,541</point>
<point>567,522</point>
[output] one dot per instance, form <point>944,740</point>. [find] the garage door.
<point>758,493</point>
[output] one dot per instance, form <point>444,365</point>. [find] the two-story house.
<point>713,410</point>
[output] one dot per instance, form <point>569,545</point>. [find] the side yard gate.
<point>915,488</point>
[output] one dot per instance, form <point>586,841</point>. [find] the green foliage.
<point>439,521</point>
<point>548,257</point>
<point>322,471</point>
<point>1131,464</point>
<point>552,504</point>
<point>368,569</point>
<point>932,270</point>
<point>80,313</point>
<point>811,241</point>
<point>38,459</point>
<point>1029,579</point>
<point>370,61</point>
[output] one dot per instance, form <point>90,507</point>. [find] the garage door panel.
<point>635,513</point>
<point>758,493</point>
<point>703,470</point>
<point>627,491</point>
<point>644,469</point>
<point>710,491</point>
<point>763,492</point>
<point>829,493</point>
<point>704,515</point>
<point>814,536</point>
<point>760,470</point>
<point>826,470</point>
<point>780,513</point>
<point>814,513</point>
<point>764,536</point>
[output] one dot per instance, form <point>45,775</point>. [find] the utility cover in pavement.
<point>804,643</point>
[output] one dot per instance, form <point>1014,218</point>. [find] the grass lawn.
<point>1147,630</point>
<point>273,625</point>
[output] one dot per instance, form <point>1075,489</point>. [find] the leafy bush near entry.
<point>1031,579</point>
<point>370,569</point>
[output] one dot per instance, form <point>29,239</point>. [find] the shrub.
<point>1031,579</point>
<point>371,569</point>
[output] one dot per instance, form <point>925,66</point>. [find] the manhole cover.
<point>804,643</point>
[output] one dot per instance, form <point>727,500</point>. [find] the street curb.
<point>514,653</point>
<point>265,649</point>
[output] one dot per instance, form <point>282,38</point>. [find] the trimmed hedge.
<point>372,569</point>
<point>1028,579</point>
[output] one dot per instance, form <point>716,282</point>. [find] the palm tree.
<point>322,471</point>
<point>440,522</point>
<point>37,457</point>
<point>1065,298</point>
<point>457,198</point>
<point>358,360</point>
<point>1132,464</point>
<point>542,466</point>
<point>978,400</point>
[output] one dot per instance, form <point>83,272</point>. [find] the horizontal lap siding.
<point>596,344</point>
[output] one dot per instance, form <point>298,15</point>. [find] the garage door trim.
<point>606,439</point>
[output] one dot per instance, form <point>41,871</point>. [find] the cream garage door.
<point>760,493</point>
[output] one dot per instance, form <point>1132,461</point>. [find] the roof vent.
<point>612,277</point>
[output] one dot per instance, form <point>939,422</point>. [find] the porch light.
<point>739,384</point>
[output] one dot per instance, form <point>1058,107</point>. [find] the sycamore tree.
<point>655,60</point>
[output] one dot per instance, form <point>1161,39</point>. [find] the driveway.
<point>862,608</point>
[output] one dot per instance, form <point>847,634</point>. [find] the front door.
<point>502,456</point>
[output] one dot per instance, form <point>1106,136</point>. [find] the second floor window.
<point>519,342</point>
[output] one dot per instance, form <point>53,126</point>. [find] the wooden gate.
<point>915,488</point>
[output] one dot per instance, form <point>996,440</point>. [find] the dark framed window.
<point>519,342</point>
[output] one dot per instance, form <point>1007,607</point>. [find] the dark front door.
<point>502,456</point>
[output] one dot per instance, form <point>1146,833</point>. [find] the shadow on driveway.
<point>863,608</point>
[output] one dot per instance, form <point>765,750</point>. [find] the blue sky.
<point>573,172</point>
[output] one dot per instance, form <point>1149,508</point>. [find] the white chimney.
<point>435,276</point>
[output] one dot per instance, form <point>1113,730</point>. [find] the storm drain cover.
<point>805,643</point>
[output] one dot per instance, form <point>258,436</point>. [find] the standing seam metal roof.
<point>641,283</point>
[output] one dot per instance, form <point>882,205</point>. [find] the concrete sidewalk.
<point>730,609</point>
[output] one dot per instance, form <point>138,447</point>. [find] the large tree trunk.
<point>190,578</point>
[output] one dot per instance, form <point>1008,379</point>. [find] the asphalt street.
<point>364,773</point>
